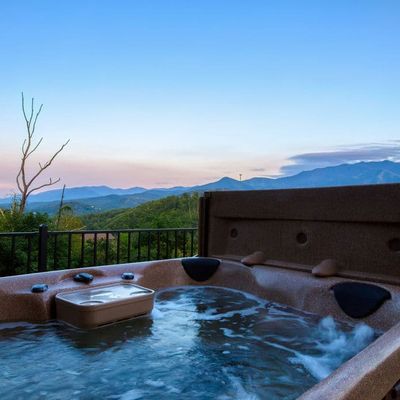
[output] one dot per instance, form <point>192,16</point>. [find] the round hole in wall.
<point>394,244</point>
<point>234,233</point>
<point>301,238</point>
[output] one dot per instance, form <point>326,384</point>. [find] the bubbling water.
<point>335,347</point>
<point>198,343</point>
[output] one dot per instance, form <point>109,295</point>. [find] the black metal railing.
<point>44,250</point>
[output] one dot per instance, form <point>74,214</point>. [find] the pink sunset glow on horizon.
<point>122,174</point>
<point>186,170</point>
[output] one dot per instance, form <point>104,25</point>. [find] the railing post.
<point>202,235</point>
<point>42,254</point>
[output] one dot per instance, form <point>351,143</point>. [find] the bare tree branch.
<point>37,145</point>
<point>47,163</point>
<point>25,186</point>
<point>36,117</point>
<point>18,184</point>
<point>23,106</point>
<point>32,111</point>
<point>50,183</point>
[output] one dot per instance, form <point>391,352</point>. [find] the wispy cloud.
<point>342,155</point>
<point>257,169</point>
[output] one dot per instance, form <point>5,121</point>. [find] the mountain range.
<point>90,199</point>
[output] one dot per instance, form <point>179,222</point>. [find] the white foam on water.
<point>172,389</point>
<point>335,347</point>
<point>133,394</point>
<point>247,295</point>
<point>18,324</point>
<point>238,390</point>
<point>156,383</point>
<point>156,313</point>
<point>210,314</point>
<point>230,334</point>
<point>71,372</point>
<point>183,305</point>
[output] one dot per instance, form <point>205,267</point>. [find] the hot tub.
<point>296,230</point>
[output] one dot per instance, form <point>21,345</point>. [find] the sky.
<point>165,93</point>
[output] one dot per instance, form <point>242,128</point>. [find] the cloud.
<point>342,155</point>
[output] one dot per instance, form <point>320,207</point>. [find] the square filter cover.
<point>92,307</point>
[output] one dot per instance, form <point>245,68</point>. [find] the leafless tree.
<point>26,186</point>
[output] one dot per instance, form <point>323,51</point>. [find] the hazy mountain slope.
<point>78,193</point>
<point>222,184</point>
<point>362,173</point>
<point>83,192</point>
<point>98,204</point>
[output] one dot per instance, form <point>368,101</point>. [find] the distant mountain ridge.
<point>362,173</point>
<point>88,199</point>
<point>83,192</point>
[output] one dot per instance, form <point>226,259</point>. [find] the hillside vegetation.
<point>169,212</point>
<point>97,204</point>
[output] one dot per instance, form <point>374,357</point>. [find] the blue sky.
<point>163,93</point>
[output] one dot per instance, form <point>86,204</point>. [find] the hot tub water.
<point>198,343</point>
